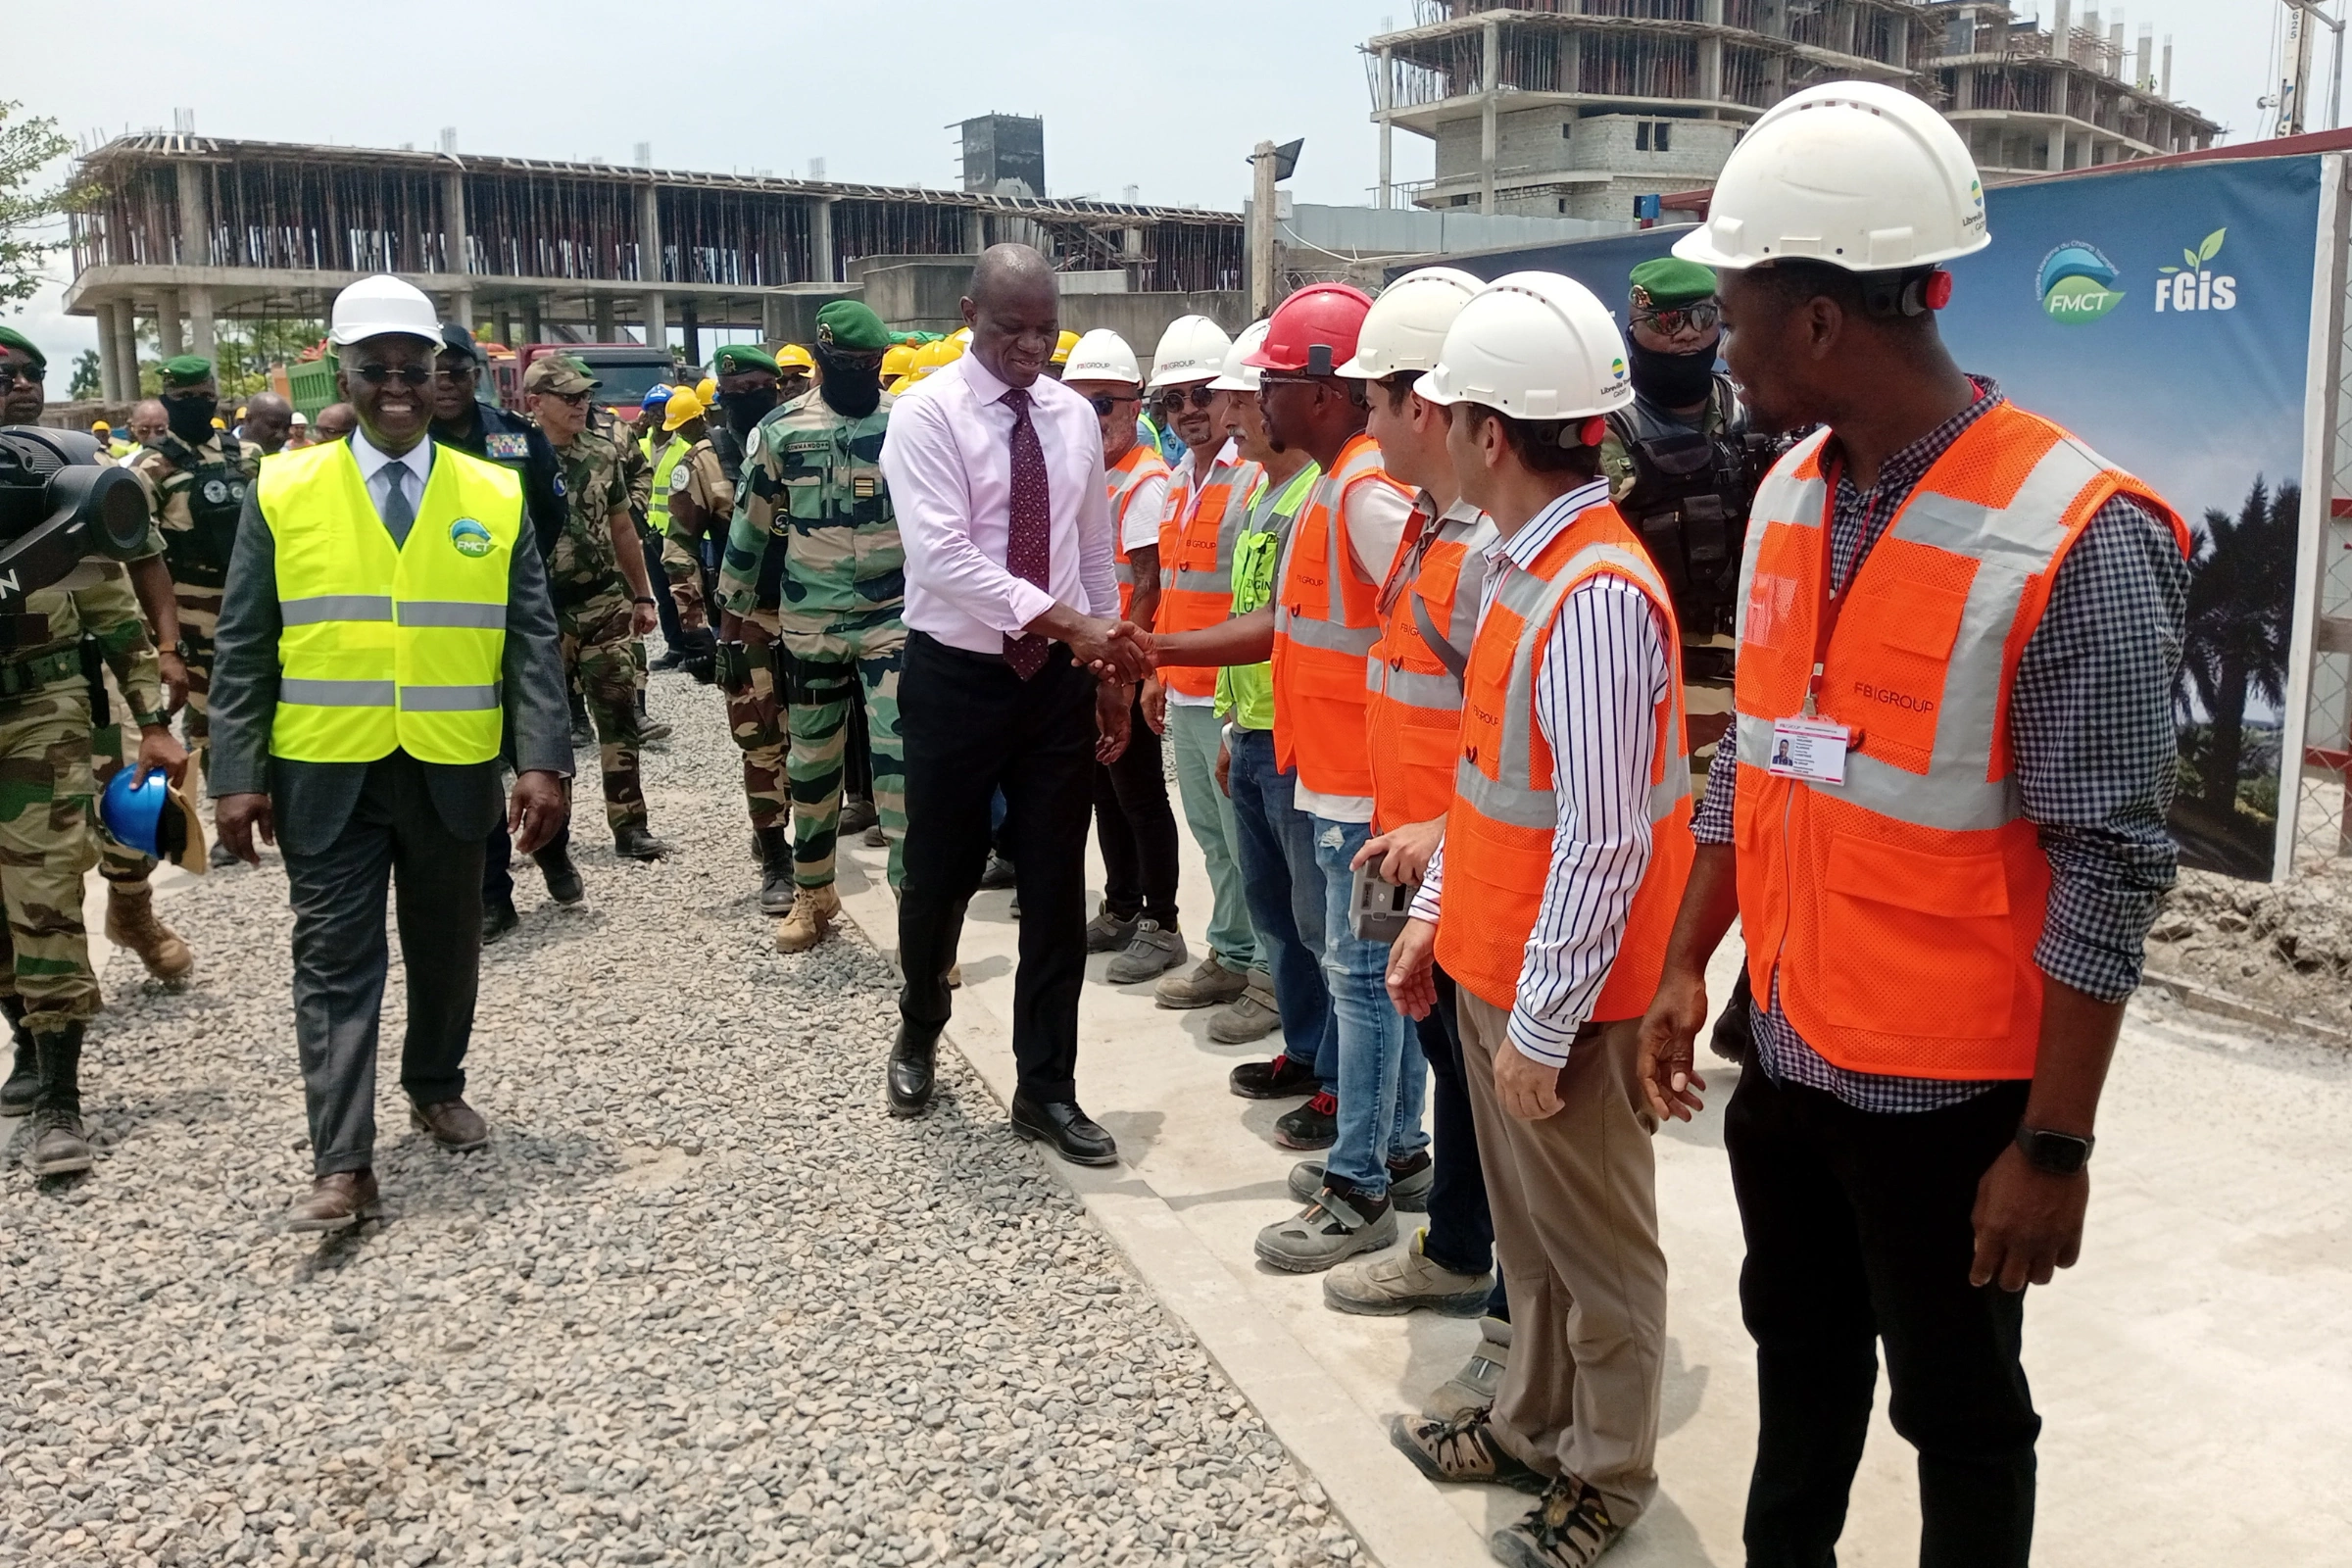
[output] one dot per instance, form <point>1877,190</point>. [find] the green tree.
<point>2241,595</point>
<point>244,350</point>
<point>28,210</point>
<point>87,381</point>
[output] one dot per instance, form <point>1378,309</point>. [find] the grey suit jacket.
<point>312,800</point>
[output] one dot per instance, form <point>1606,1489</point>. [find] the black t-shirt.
<point>515,442</point>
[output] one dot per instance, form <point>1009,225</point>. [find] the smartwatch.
<point>2058,1154</point>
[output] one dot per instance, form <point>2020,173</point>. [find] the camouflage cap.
<point>187,369</point>
<point>851,325</point>
<point>11,338</point>
<point>737,358</point>
<point>559,373</point>
<point>1667,281</point>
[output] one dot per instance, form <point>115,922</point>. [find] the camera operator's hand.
<point>159,753</point>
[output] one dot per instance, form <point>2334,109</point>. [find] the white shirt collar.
<point>418,459</point>
<point>1522,547</point>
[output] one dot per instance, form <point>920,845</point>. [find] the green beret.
<point>851,325</point>
<point>1669,281</point>
<point>11,338</point>
<point>188,369</point>
<point>737,358</point>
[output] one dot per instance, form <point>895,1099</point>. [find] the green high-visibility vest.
<point>382,647</point>
<point>657,516</point>
<point>1245,691</point>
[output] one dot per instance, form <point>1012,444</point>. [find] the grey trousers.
<point>396,836</point>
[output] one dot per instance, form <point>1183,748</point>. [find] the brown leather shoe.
<point>336,1203</point>
<point>454,1124</point>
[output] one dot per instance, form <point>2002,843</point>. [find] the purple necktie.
<point>1028,529</point>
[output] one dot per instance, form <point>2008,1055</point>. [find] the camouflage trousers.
<point>117,861</point>
<point>199,618</point>
<point>602,652</point>
<point>46,846</point>
<point>685,575</point>
<point>829,674</point>
<point>755,718</point>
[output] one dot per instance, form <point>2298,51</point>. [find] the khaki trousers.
<point>1575,1200</point>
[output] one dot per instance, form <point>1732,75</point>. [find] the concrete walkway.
<point>2193,1372</point>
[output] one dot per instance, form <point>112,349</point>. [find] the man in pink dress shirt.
<point>1012,606</point>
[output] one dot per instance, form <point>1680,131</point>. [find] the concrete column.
<point>1898,40</point>
<point>650,268</point>
<point>127,349</point>
<point>502,326</point>
<point>601,310</point>
<point>1263,200</point>
<point>653,310</point>
<point>167,340</point>
<point>1388,130</point>
<point>1489,76</point>
<point>109,356</point>
<point>1710,57</point>
<point>2054,149</point>
<point>534,330</point>
<point>195,215</point>
<point>821,268</point>
<point>691,320</point>
<point>975,230</point>
<point>775,319</point>
<point>200,320</point>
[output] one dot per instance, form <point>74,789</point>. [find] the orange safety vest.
<point>1505,814</point>
<point>1430,603</point>
<point>1196,557</point>
<point>1322,639</point>
<point>1125,477</point>
<point>1901,908</point>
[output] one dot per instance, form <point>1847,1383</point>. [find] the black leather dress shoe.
<point>563,877</point>
<point>498,918</point>
<point>1074,1135</point>
<point>913,1059</point>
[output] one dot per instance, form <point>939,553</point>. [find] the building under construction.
<point>1578,107</point>
<point>194,230</point>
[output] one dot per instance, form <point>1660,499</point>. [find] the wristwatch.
<point>181,647</point>
<point>143,720</point>
<point>2058,1154</point>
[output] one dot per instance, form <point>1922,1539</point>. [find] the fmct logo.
<point>2196,285</point>
<point>2077,283</point>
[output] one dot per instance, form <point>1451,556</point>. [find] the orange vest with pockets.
<point>1125,477</point>
<point>1901,908</point>
<point>1506,812</point>
<point>1415,716</point>
<point>1195,560</point>
<point>1325,620</point>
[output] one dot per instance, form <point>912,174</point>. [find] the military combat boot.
<point>59,1147</point>
<point>813,916</point>
<point>130,922</point>
<point>634,841</point>
<point>775,869</point>
<point>25,1075</point>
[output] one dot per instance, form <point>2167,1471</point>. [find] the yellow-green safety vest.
<point>657,516</point>
<point>382,648</point>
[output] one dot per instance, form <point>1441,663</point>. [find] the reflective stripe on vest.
<point>381,647</point>
<point>1504,814</point>
<point>1125,477</point>
<point>1196,557</point>
<point>1902,909</point>
<point>1415,716</point>
<point>656,514</point>
<point>1320,645</point>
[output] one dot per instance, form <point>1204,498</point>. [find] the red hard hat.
<point>1314,330</point>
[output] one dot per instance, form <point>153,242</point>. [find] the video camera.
<point>60,501</point>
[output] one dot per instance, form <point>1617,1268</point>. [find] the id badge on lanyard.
<point>1811,746</point>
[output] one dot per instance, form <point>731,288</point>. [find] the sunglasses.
<point>1700,317</point>
<point>1174,397</point>
<point>1109,401</point>
<point>579,399</point>
<point>24,371</point>
<point>405,374</point>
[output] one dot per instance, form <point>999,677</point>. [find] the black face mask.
<point>746,408</point>
<point>191,417</point>
<point>850,389</point>
<point>1672,380</point>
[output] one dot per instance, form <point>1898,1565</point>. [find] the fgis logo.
<point>2196,286</point>
<point>2077,283</point>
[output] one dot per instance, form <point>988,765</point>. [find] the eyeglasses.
<point>24,371</point>
<point>1173,397</point>
<point>405,374</point>
<point>1109,401</point>
<point>579,399</point>
<point>1700,317</point>
<point>449,377</point>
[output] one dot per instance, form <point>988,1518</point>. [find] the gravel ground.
<point>2286,946</point>
<point>700,1303</point>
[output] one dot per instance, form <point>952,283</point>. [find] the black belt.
<point>21,676</point>
<point>1054,649</point>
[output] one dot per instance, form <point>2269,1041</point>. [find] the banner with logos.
<point>2166,316</point>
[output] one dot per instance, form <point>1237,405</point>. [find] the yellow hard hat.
<point>793,357</point>
<point>1062,346</point>
<point>896,360</point>
<point>962,338</point>
<point>240,411</point>
<point>706,390</point>
<point>219,423</point>
<point>901,384</point>
<point>97,425</point>
<point>683,404</point>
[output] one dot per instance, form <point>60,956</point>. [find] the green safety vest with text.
<point>383,648</point>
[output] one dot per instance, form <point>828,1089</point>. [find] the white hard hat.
<point>1853,173</point>
<point>1406,326</point>
<point>1239,374</point>
<point>1102,354</point>
<point>380,304</point>
<point>301,417</point>
<point>1192,349</point>
<point>1534,346</point>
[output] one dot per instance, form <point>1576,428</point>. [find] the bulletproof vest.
<point>770,588</point>
<point>215,497</point>
<point>729,447</point>
<point>1689,503</point>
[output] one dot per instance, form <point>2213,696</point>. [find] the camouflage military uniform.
<point>637,486</point>
<point>196,497</point>
<point>814,559</point>
<point>698,477</point>
<point>594,616</point>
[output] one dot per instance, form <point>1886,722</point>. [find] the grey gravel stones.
<point>700,1303</point>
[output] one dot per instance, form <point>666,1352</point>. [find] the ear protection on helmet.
<point>1908,293</point>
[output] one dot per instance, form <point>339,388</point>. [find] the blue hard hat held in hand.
<point>153,819</point>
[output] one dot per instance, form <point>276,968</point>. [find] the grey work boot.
<point>23,1083</point>
<point>1334,1228</point>
<point>1473,1387</point>
<point>59,1147</point>
<point>1110,933</point>
<point>1397,1283</point>
<point>1210,984</point>
<point>1410,1181</point>
<point>1248,1017</point>
<point>1154,950</point>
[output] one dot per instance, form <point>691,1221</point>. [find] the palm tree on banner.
<point>2242,594</point>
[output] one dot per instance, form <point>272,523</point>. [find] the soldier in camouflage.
<point>813,562</point>
<point>604,598</point>
<point>693,500</point>
<point>47,834</point>
<point>637,479</point>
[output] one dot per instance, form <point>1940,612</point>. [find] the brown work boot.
<point>454,1124</point>
<point>130,922</point>
<point>813,914</point>
<point>336,1203</point>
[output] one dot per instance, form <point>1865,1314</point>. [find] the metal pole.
<point>1387,126</point>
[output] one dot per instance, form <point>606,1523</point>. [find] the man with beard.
<point>268,421</point>
<point>814,561</point>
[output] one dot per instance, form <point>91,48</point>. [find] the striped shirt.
<point>1596,691</point>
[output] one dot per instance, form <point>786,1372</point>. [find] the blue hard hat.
<point>153,819</point>
<point>654,399</point>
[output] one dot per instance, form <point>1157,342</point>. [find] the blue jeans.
<point>1384,1079</point>
<point>1274,846</point>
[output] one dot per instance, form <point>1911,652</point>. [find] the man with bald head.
<point>146,425</point>
<point>268,421</point>
<point>336,423</point>
<point>1012,604</point>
